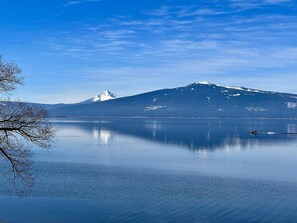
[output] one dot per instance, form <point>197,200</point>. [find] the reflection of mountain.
<point>102,135</point>
<point>194,134</point>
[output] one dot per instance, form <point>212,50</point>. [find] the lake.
<point>160,170</point>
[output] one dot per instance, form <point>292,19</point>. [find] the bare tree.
<point>21,126</point>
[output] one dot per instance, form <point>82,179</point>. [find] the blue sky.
<point>71,50</point>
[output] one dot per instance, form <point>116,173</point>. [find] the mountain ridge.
<point>199,99</point>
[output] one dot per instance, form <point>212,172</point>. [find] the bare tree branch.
<point>21,126</point>
<point>9,76</point>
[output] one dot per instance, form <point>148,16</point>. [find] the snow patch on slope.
<point>151,108</point>
<point>204,82</point>
<point>256,109</point>
<point>229,87</point>
<point>291,105</point>
<point>243,89</point>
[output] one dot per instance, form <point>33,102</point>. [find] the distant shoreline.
<point>145,117</point>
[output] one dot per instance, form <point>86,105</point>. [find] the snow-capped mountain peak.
<point>106,95</point>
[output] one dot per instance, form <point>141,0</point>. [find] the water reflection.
<point>291,128</point>
<point>193,134</point>
<point>102,136</point>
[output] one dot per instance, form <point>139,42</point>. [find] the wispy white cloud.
<point>244,5</point>
<point>183,11</point>
<point>76,2</point>
<point>180,34</point>
<point>276,1</point>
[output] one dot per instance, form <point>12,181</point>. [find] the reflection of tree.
<point>21,126</point>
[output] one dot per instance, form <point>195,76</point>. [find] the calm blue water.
<point>165,170</point>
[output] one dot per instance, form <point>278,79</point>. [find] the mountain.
<point>105,96</point>
<point>200,99</point>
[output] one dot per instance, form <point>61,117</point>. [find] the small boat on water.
<point>255,132</point>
